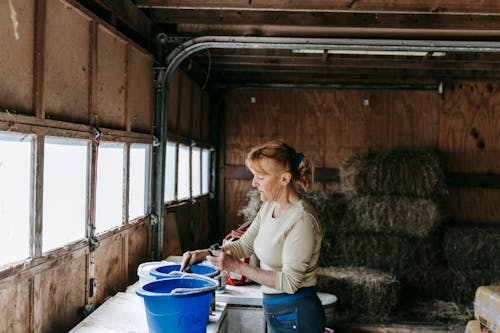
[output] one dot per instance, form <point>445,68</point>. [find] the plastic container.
<point>181,311</point>
<point>170,270</point>
<point>144,269</point>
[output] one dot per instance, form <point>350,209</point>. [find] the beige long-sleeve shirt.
<point>288,245</point>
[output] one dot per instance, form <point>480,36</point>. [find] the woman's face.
<point>268,181</point>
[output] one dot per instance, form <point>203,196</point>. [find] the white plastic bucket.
<point>144,269</point>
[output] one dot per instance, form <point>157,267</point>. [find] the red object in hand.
<point>233,278</point>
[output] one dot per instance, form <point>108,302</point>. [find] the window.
<point>183,176</point>
<point>64,192</point>
<point>187,173</point>
<point>170,163</point>
<point>138,180</point>
<point>205,171</point>
<point>195,171</point>
<point>15,190</point>
<point>109,193</point>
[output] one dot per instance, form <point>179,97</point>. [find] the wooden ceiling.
<point>465,20</point>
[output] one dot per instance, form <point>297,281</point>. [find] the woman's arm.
<point>226,260</point>
<point>190,258</point>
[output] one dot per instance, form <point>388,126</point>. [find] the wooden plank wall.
<point>16,57</point>
<point>63,71</point>
<point>330,126</point>
<point>188,109</point>
<point>469,136</point>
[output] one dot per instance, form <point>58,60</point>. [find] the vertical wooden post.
<point>37,158</point>
<point>93,33</point>
<point>37,161</point>
<point>38,57</point>
<point>92,158</point>
<point>128,118</point>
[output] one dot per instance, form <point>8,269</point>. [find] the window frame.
<point>64,130</point>
<point>176,140</point>
<point>147,182</point>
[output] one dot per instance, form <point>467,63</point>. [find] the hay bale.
<point>363,294</point>
<point>408,173</point>
<point>392,214</point>
<point>472,246</point>
<point>329,207</point>
<point>442,283</point>
<point>389,253</point>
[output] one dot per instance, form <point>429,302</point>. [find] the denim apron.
<point>300,312</point>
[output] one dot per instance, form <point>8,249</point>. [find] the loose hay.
<point>362,294</point>
<point>251,208</point>
<point>409,173</point>
<point>472,246</point>
<point>392,214</point>
<point>452,314</point>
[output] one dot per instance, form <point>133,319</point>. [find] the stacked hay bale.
<point>330,209</point>
<point>389,221</point>
<point>472,247</point>
<point>404,173</point>
<point>362,293</point>
<point>472,256</point>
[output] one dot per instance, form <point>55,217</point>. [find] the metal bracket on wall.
<point>154,219</point>
<point>97,133</point>
<point>93,287</point>
<point>172,39</point>
<point>441,89</point>
<point>93,243</point>
<point>156,142</point>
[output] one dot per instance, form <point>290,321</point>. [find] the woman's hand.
<point>225,260</point>
<point>190,258</point>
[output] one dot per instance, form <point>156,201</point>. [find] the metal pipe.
<point>159,147</point>
<point>289,43</point>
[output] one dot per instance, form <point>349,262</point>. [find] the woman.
<point>285,236</point>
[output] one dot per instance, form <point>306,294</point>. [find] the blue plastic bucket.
<point>164,271</point>
<point>185,312</point>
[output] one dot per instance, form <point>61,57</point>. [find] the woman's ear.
<point>286,177</point>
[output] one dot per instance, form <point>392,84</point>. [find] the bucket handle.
<point>214,273</point>
<point>195,290</point>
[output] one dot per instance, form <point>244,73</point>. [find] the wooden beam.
<point>28,124</point>
<point>331,31</point>
<point>241,172</point>
<point>422,6</point>
<point>486,180</point>
<point>340,62</point>
<point>330,19</point>
<point>38,57</point>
